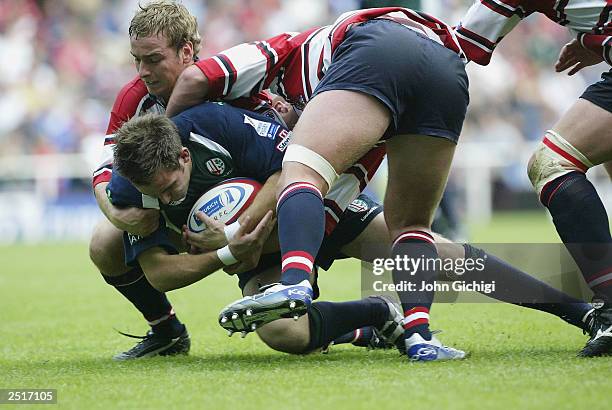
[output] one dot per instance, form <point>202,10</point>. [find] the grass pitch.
<point>57,332</point>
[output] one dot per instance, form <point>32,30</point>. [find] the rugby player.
<point>170,164</point>
<point>356,87</point>
<point>581,139</point>
<point>164,40</point>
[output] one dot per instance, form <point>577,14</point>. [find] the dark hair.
<point>144,145</point>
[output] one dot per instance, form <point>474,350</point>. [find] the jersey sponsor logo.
<point>263,128</point>
<point>133,238</point>
<point>215,166</point>
<point>358,205</point>
<point>285,138</point>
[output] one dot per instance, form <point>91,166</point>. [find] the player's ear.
<point>185,155</point>
<point>280,107</point>
<point>186,53</point>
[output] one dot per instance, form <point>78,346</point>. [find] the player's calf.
<point>557,171</point>
<point>286,335</point>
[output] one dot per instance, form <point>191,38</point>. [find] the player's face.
<point>170,185</point>
<point>159,65</point>
<point>285,110</point>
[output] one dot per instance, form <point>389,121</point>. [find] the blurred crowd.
<point>65,60</point>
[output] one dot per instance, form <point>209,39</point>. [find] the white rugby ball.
<point>224,202</point>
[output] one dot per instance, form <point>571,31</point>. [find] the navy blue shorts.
<point>423,83</point>
<point>353,221</point>
<point>600,93</point>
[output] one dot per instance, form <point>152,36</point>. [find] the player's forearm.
<point>168,272</point>
<point>102,199</point>
<point>264,201</point>
<point>191,88</point>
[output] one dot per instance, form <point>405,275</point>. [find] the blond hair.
<point>146,145</point>
<point>170,19</point>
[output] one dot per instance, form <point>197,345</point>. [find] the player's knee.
<point>106,250</point>
<point>553,158</point>
<point>316,168</point>
<point>286,335</point>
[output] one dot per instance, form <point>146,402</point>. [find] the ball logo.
<point>215,166</point>
<point>221,206</point>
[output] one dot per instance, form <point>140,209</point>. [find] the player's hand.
<point>137,221</point>
<point>577,57</point>
<point>247,247</point>
<point>211,238</point>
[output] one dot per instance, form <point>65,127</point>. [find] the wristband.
<point>230,230</point>
<point>225,256</point>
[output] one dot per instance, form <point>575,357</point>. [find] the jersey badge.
<point>215,166</point>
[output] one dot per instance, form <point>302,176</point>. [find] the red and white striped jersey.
<point>134,100</point>
<point>488,21</point>
<point>293,64</point>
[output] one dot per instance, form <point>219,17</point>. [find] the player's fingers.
<point>205,219</point>
<point>576,68</point>
<point>242,230</point>
<point>564,64</point>
<point>184,233</point>
<point>232,269</point>
<point>191,237</point>
<point>262,226</point>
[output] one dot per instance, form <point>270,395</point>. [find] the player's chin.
<point>156,88</point>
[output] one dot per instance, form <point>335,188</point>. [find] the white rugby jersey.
<point>488,21</point>
<point>293,64</point>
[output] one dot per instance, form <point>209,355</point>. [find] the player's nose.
<point>143,71</point>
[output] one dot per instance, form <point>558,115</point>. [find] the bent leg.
<point>106,252</point>
<point>326,322</point>
<point>580,140</point>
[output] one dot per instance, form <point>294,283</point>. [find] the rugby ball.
<point>224,202</point>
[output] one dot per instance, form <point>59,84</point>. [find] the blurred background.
<point>63,62</point>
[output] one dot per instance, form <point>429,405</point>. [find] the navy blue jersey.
<point>224,142</point>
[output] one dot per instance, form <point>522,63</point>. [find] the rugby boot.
<point>153,344</point>
<point>277,301</point>
<point>421,350</point>
<point>599,328</point>
<point>390,333</point>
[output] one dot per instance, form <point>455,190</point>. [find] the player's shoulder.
<point>133,99</point>
<point>208,111</point>
<point>130,97</point>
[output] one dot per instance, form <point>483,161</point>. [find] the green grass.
<point>56,332</point>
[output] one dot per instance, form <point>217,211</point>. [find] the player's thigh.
<point>418,172</point>
<point>375,235</point>
<point>588,128</point>
<point>339,125</point>
<point>106,249</point>
<point>286,335</point>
